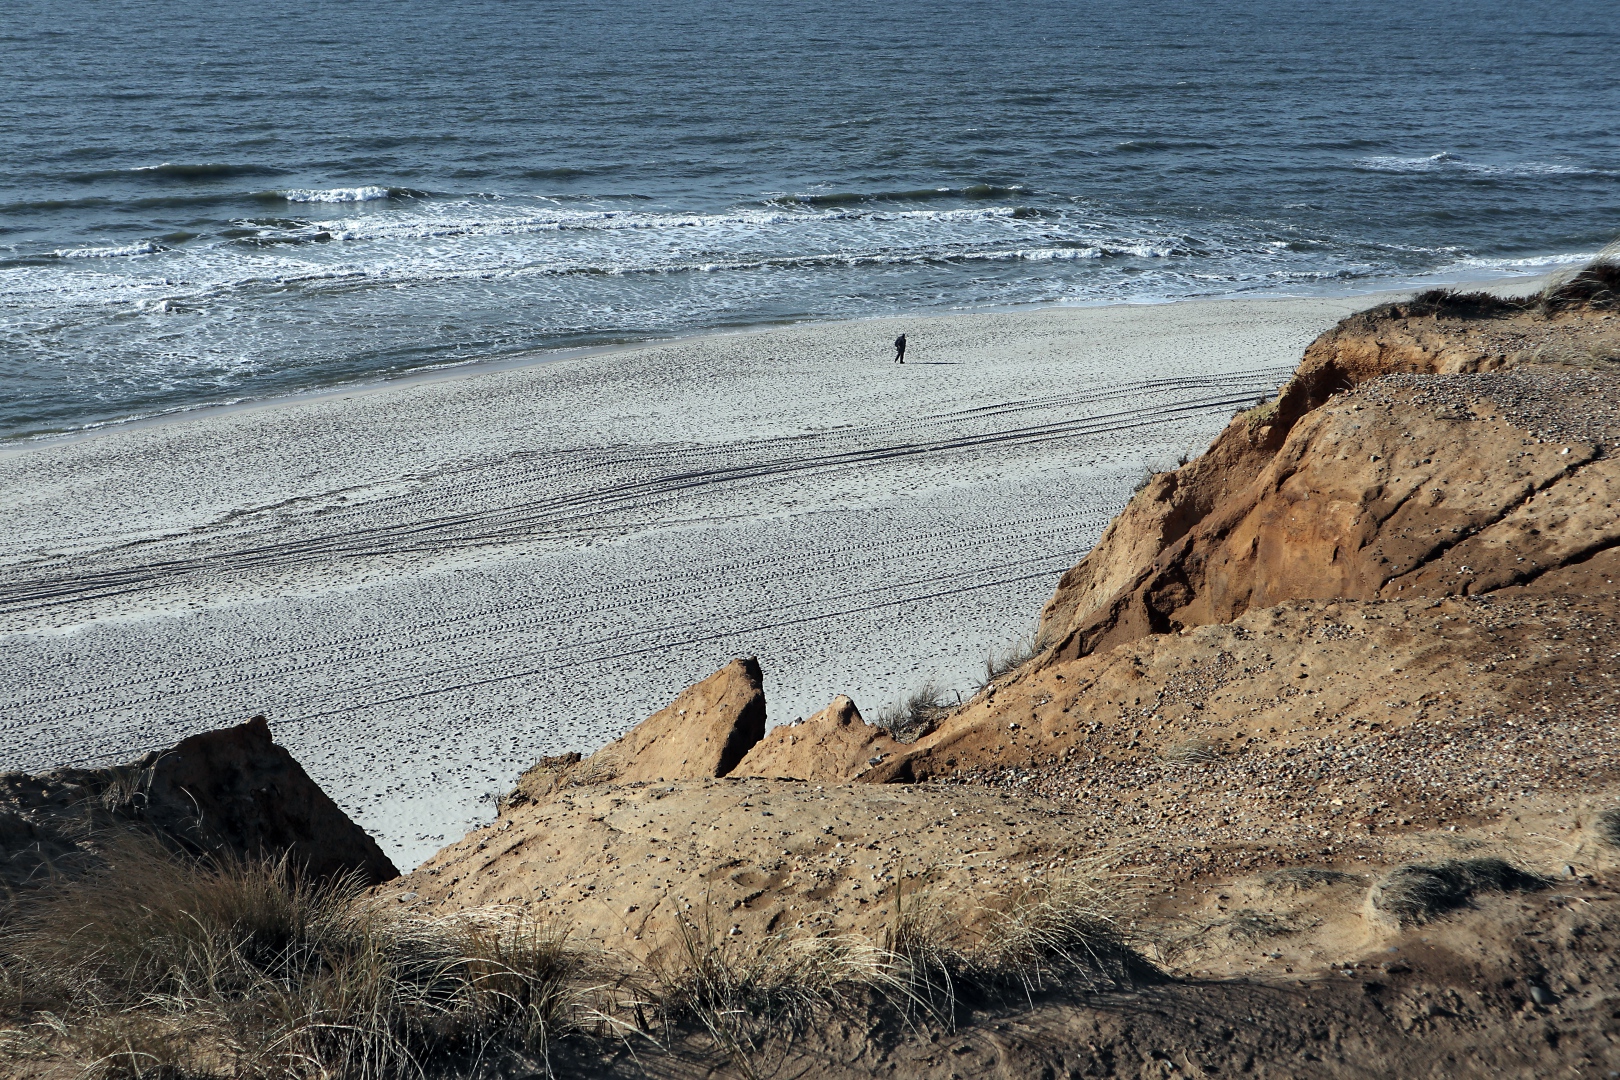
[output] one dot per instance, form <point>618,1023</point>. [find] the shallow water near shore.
<point>207,206</point>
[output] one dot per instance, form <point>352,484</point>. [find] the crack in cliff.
<point>1445,547</point>
<point>1585,554</point>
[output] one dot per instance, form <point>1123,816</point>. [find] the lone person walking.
<point>900,349</point>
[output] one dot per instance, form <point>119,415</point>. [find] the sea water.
<point>204,203</point>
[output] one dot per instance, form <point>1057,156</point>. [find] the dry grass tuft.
<point>1303,878</point>
<point>918,714</point>
<point>1607,826</point>
<point>1191,752</point>
<point>1055,934</point>
<point>1597,284</point>
<point>164,966</point>
<point>1249,926</point>
<point>1419,893</point>
<point>737,995</point>
<point>1063,929</point>
<point>1003,661</point>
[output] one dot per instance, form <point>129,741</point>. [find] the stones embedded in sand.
<point>231,791</point>
<point>834,745</point>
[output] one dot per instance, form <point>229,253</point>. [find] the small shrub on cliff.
<point>1261,415</point>
<point>1458,305</point>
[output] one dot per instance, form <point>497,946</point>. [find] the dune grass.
<point>1597,284</point>
<point>1607,826</point>
<point>1304,878</point>
<point>163,966</point>
<point>1058,934</point>
<point>1194,751</point>
<point>1422,892</point>
<point>738,994</point>
<point>1011,657</point>
<point>918,713</point>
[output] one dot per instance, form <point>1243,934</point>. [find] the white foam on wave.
<point>368,193</point>
<point>445,221</point>
<point>1533,263</point>
<point>146,247</point>
<point>1056,254</point>
<point>1444,161</point>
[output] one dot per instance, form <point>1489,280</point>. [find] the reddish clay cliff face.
<point>1423,487</point>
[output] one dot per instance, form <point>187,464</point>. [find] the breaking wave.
<point>147,247</point>
<point>368,193</point>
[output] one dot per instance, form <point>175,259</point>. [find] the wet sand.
<point>426,585</point>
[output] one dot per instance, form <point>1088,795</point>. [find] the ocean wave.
<point>48,205</point>
<point>367,193</point>
<point>1534,262</point>
<point>213,279</point>
<point>1445,161</point>
<point>96,202</point>
<point>206,171</point>
<point>1143,146</point>
<point>146,247</point>
<point>557,173</point>
<point>842,260</point>
<point>1094,251</point>
<point>847,198</point>
<point>1058,253</point>
<point>170,170</point>
<point>445,226</point>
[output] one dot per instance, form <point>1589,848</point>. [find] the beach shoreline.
<point>1374,292</point>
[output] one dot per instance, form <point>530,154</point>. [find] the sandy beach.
<point>425,585</point>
